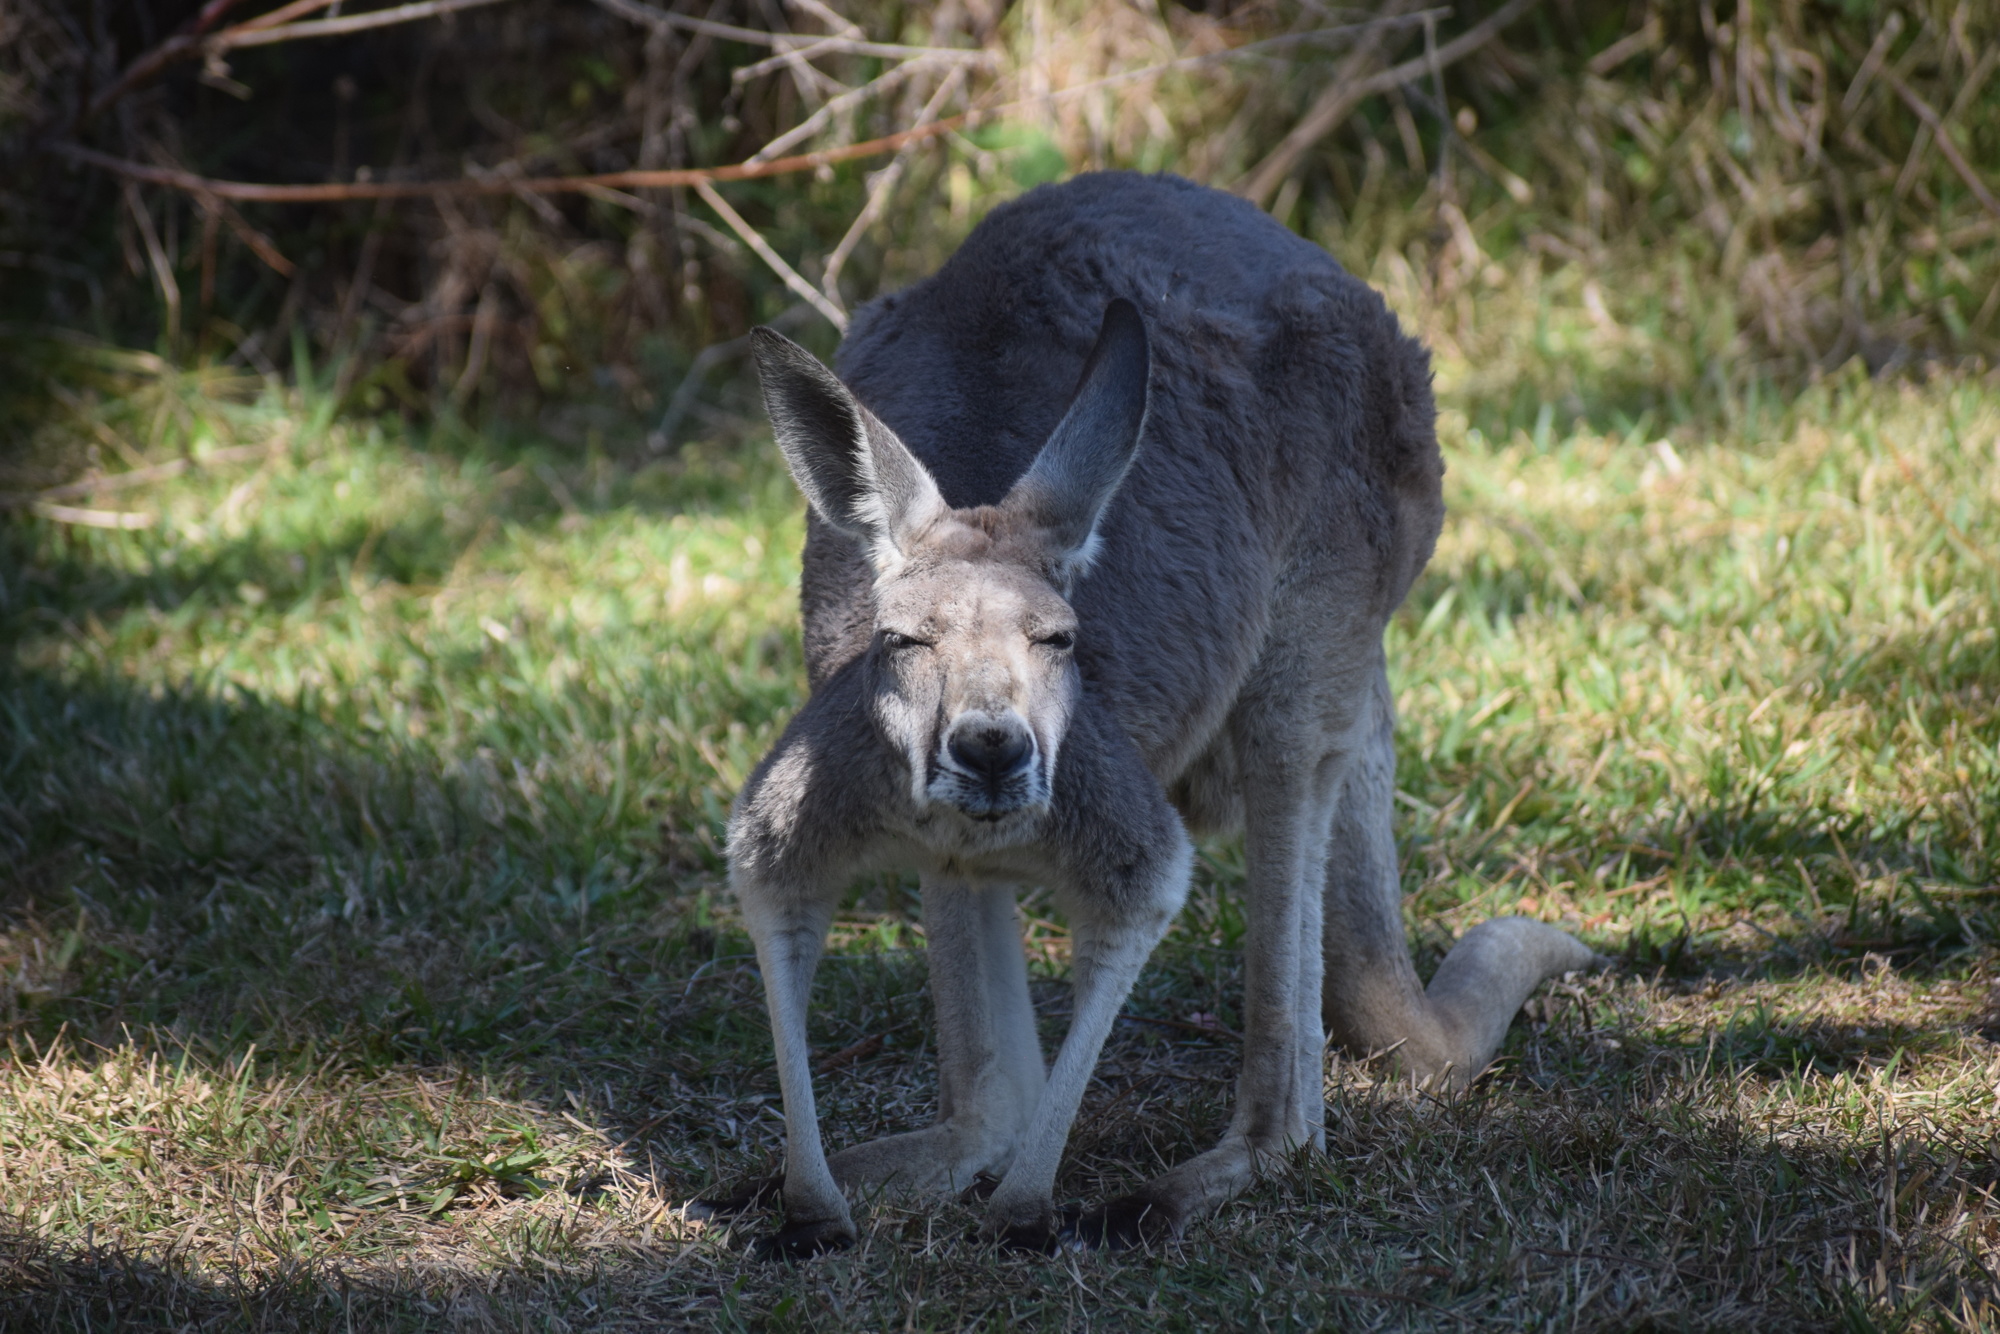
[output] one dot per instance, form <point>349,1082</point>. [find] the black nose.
<point>990,747</point>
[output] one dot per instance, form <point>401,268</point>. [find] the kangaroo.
<point>1107,518</point>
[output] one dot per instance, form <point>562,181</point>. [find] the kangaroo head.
<point>974,679</point>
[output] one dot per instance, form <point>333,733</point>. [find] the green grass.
<point>364,961</point>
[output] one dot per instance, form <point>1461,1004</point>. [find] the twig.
<point>1945,145</point>
<point>1892,27</point>
<point>848,1055</point>
<point>1341,97</point>
<point>483,320</point>
<point>335,192</point>
<point>263,30</point>
<point>1643,38</point>
<point>1333,104</point>
<point>883,185</point>
<point>832,18</point>
<point>258,244</point>
<point>651,17</point>
<point>298,9</point>
<point>835,46</point>
<point>156,255</point>
<point>661,437</point>
<point>230,39</point>
<point>812,124</point>
<point>755,240</point>
<point>180,46</point>
<point>96,518</point>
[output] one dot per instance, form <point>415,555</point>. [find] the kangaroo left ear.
<point>1080,467</point>
<point>855,472</point>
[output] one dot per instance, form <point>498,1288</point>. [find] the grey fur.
<point>1250,541</point>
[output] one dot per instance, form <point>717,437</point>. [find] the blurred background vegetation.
<point>1741,195</point>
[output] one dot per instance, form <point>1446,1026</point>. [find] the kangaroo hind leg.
<point>1372,999</point>
<point>1280,1092</point>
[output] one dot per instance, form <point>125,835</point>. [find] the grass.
<point>364,961</point>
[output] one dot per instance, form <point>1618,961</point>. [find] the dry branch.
<point>120,519</point>
<point>883,186</point>
<point>263,30</point>
<point>246,35</point>
<point>343,191</point>
<point>335,192</point>
<point>790,42</point>
<point>1951,152</point>
<point>755,240</point>
<point>819,119</point>
<point>1341,97</point>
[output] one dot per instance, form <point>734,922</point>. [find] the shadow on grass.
<point>45,1287</point>
<point>1618,1202</point>
<point>248,879</point>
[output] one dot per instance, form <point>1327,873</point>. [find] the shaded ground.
<point>363,960</point>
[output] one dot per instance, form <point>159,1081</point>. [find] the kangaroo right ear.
<point>1080,467</point>
<point>854,471</point>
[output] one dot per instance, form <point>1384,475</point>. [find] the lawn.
<point>365,961</point>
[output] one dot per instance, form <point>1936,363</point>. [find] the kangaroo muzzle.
<point>989,766</point>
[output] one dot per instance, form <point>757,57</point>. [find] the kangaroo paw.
<point>1124,1223</point>
<point>802,1241</point>
<point>1043,1235</point>
<point>739,1198</point>
<point>981,1189</point>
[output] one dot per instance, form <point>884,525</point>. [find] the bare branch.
<point>245,35</point>
<point>818,121</point>
<point>831,17</point>
<point>298,9</point>
<point>884,185</point>
<point>338,192</point>
<point>1343,95</point>
<point>1930,117</point>
<point>661,438</point>
<point>191,42</point>
<point>156,255</point>
<point>835,46</point>
<point>752,238</point>
<point>649,16</point>
<point>127,519</point>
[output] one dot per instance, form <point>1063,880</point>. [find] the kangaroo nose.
<point>990,747</point>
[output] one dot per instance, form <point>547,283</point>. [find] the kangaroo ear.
<point>1084,460</point>
<point>852,468</point>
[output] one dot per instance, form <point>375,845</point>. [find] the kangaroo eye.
<point>895,642</point>
<point>1062,641</point>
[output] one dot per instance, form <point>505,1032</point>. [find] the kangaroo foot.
<point>739,1198</point>
<point>939,1160</point>
<point>802,1241</point>
<point>1127,1222</point>
<point>1037,1235</point>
